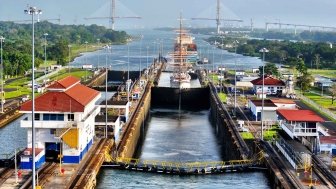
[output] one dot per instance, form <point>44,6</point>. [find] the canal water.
<point>188,137</point>
<point>136,53</point>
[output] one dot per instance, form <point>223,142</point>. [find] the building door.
<point>52,150</point>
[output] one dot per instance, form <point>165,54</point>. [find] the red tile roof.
<point>282,101</point>
<point>267,103</point>
<point>328,139</point>
<point>268,80</point>
<point>73,99</point>
<point>299,115</point>
<point>64,83</point>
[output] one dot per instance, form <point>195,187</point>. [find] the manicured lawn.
<point>269,134</point>
<point>222,96</point>
<point>247,135</point>
<point>322,101</point>
<point>48,63</point>
<point>326,73</point>
<point>74,72</point>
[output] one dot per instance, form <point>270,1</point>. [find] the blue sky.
<point>165,12</point>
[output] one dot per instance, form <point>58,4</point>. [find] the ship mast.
<point>180,64</point>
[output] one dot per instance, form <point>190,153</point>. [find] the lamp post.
<point>86,59</point>
<point>263,50</point>
<point>33,11</point>
<point>140,59</point>
<point>235,85</point>
<point>127,82</point>
<point>45,54</point>
<point>2,39</point>
<point>213,65</point>
<point>106,77</point>
<point>147,63</point>
<point>98,40</point>
<point>69,46</point>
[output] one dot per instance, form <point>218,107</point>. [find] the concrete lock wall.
<point>228,148</point>
<point>135,129</point>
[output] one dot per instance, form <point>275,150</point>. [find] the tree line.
<point>18,46</point>
<point>317,55</point>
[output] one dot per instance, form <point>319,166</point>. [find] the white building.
<point>272,86</point>
<point>328,144</point>
<point>64,122</point>
<point>302,125</point>
<point>270,107</point>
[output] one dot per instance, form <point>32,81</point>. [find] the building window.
<point>71,117</point>
<point>53,117</point>
<point>37,117</point>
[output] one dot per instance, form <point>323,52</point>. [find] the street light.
<point>33,11</point>
<point>98,40</point>
<point>45,54</point>
<point>106,77</point>
<point>86,59</point>
<point>2,39</point>
<point>235,85</point>
<point>140,59</point>
<point>263,50</point>
<point>69,46</point>
<point>147,63</point>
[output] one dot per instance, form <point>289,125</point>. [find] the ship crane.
<point>113,16</point>
<point>218,18</point>
<point>310,27</point>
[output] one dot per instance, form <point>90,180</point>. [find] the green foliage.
<point>304,81</point>
<point>17,46</point>
<point>314,54</point>
<point>270,69</point>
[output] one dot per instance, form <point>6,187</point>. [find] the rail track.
<point>291,179</point>
<point>323,172</point>
<point>44,173</point>
<point>87,165</point>
<point>5,174</point>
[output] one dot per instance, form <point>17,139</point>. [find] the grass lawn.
<point>269,133</point>
<point>247,135</point>
<point>222,96</point>
<point>326,73</point>
<point>48,63</point>
<point>322,101</point>
<point>74,72</point>
<point>76,49</point>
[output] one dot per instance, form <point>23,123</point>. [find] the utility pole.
<point>235,85</point>
<point>2,39</point>
<point>69,46</point>
<point>45,55</point>
<point>33,11</point>
<point>263,50</point>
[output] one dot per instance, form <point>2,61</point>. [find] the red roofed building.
<point>271,86</point>
<point>301,124</point>
<point>64,120</point>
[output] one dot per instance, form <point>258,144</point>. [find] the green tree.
<point>304,82</point>
<point>270,69</point>
<point>301,67</point>
<point>332,90</point>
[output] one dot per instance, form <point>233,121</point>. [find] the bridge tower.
<point>113,16</point>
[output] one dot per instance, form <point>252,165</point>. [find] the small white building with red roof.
<point>64,122</point>
<point>302,125</point>
<point>272,86</point>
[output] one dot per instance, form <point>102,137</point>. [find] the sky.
<point>160,13</point>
